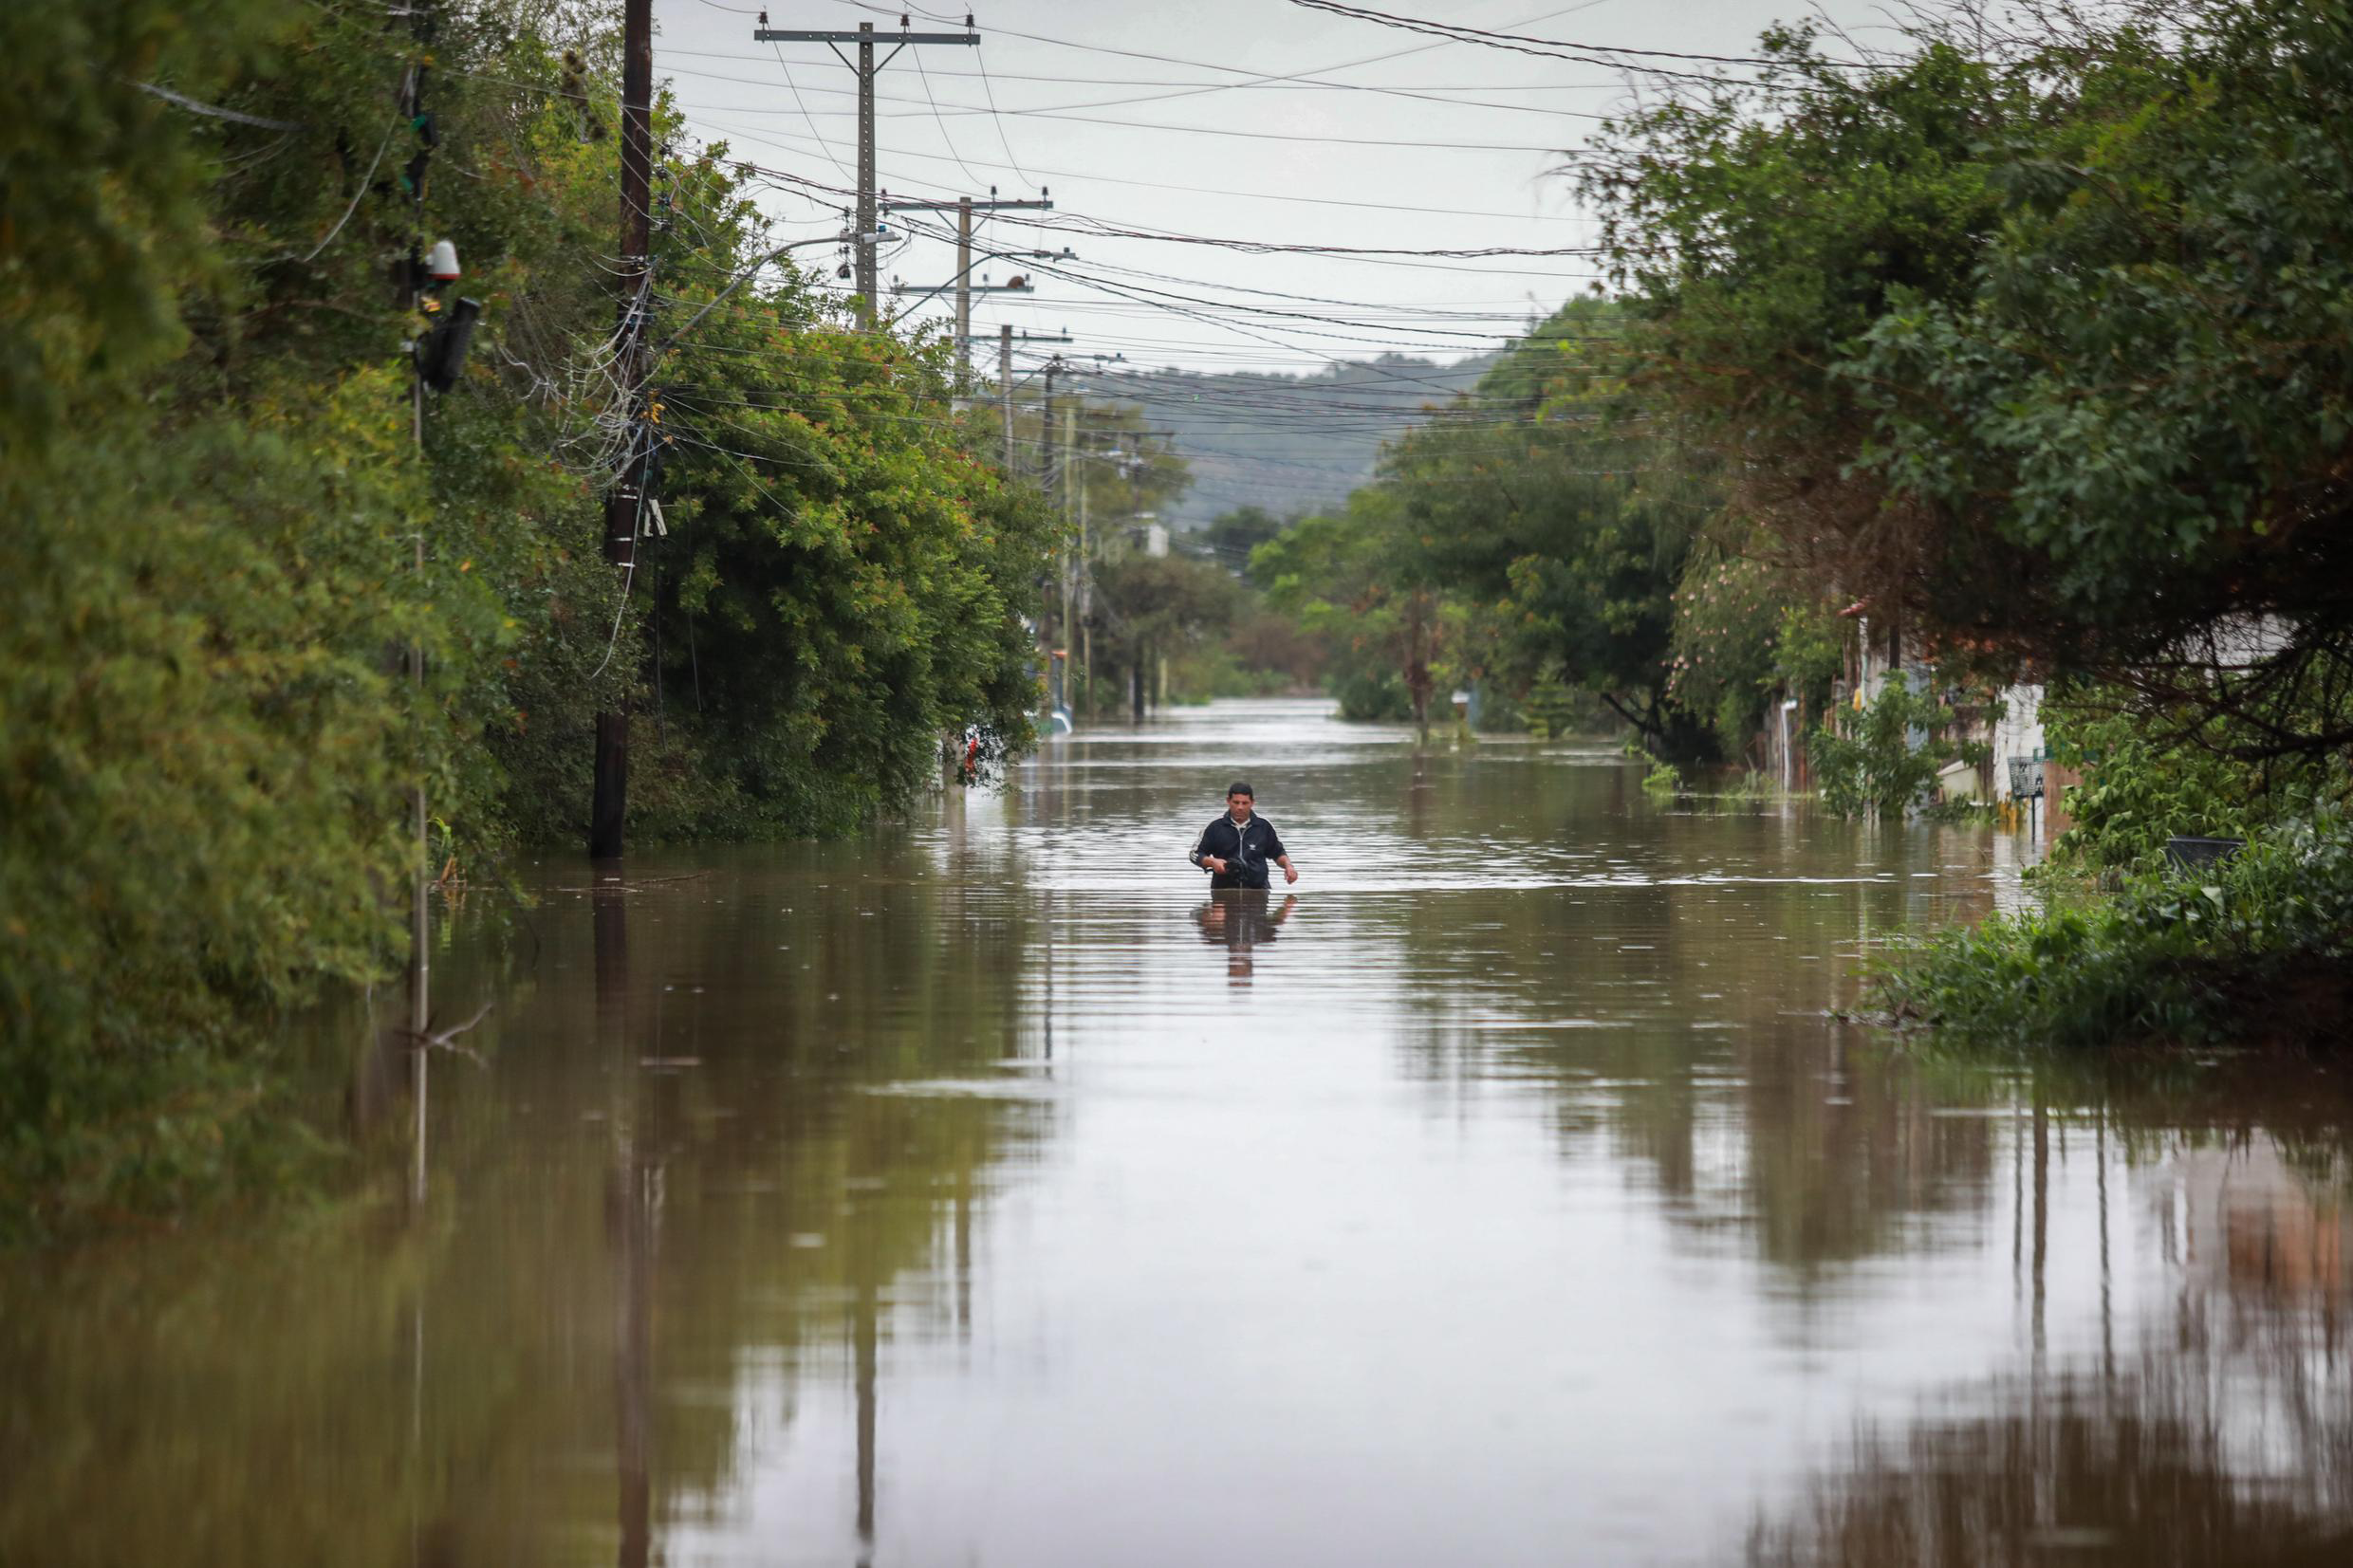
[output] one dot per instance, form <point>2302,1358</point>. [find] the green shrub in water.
<point>2255,949</point>
<point>2142,786</point>
<point>1873,764</point>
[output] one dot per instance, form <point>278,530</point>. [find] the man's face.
<point>1239,806</point>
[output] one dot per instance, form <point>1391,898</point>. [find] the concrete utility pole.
<point>964,296</point>
<point>964,207</point>
<point>1007,337</point>
<point>608,814</point>
<point>867,68</point>
<point>1086,600</point>
<point>1004,386</point>
<point>1049,474</point>
<point>1071,566</point>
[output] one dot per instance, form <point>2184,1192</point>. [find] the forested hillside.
<point>1287,444</point>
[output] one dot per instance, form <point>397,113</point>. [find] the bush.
<point>2257,948</point>
<point>1873,765</point>
<point>1368,697</point>
<point>2139,790</point>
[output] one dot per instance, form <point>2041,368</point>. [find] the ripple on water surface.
<point>986,1192</point>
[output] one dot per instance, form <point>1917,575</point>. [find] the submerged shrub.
<point>1888,758</point>
<point>2257,949</point>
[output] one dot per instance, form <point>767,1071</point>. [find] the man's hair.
<point>1241,786</point>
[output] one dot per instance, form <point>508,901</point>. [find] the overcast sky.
<point>1076,90</point>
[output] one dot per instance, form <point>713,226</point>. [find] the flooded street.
<point>985,1193</point>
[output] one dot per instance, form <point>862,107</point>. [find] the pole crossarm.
<point>865,67</point>
<point>819,35</point>
<point>991,206</point>
<point>969,288</point>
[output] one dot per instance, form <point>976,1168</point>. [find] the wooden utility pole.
<point>867,68</point>
<point>609,813</point>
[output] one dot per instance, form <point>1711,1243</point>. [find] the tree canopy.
<point>245,611</point>
<point>2042,343</point>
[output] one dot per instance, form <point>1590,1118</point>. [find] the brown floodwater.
<point>983,1191</point>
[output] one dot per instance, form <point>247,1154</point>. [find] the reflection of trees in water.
<point>1719,1074</point>
<point>2157,1467</point>
<point>2226,1437</point>
<point>606,1249</point>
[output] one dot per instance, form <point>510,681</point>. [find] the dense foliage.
<point>1530,536</point>
<point>2044,342</point>
<point>244,615</point>
<point>2259,947</point>
<point>1886,759</point>
<point>2142,786</point>
<point>1743,634</point>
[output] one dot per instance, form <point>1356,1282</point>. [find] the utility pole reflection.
<point>863,1332</point>
<point>630,1231</point>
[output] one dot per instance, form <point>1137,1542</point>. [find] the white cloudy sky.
<point>1119,107</point>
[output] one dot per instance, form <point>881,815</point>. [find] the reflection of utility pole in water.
<point>2042,1218</point>
<point>863,1332</point>
<point>2107,1314</point>
<point>629,1223</point>
<point>629,1229</point>
<point>964,1255</point>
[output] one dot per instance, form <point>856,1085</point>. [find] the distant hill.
<point>1285,443</point>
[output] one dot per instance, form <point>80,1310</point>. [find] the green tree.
<point>1560,509</point>
<point>842,585</point>
<point>1337,575</point>
<point>243,613</point>
<point>2043,343</point>
<point>1231,536</point>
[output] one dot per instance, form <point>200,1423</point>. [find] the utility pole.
<point>1071,567</point>
<point>609,813</point>
<point>1086,599</point>
<point>1004,386</point>
<point>964,296</point>
<point>1048,474</point>
<point>422,21</point>
<point>965,288</point>
<point>964,207</point>
<point>867,68</point>
<point>1007,337</point>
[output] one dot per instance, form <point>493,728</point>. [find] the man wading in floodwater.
<point>1238,848</point>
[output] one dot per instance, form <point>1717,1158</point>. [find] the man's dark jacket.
<point>1247,851</point>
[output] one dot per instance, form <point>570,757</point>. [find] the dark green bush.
<point>1888,758</point>
<point>2257,948</point>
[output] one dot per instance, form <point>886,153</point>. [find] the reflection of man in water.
<point>1238,919</point>
<point>1238,848</point>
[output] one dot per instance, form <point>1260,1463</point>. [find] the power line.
<point>1078,223</point>
<point>1593,54</point>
